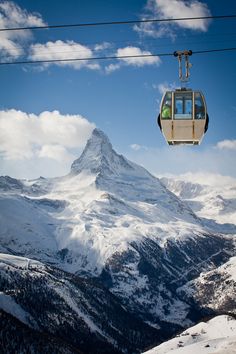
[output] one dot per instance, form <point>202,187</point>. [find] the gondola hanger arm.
<point>183,54</point>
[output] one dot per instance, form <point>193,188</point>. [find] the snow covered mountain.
<point>216,336</point>
<point>216,203</point>
<point>99,208</point>
<point>111,220</point>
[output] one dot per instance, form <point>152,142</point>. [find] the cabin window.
<point>183,106</point>
<point>199,106</point>
<point>166,110</point>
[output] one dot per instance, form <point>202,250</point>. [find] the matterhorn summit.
<point>116,175</point>
<point>99,156</point>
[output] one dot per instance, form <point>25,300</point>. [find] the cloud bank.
<point>173,9</point>
<point>142,60</point>
<point>11,42</point>
<point>61,50</point>
<point>139,61</point>
<point>226,144</point>
<point>41,143</point>
<point>165,86</point>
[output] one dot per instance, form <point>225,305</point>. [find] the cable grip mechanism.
<point>184,55</point>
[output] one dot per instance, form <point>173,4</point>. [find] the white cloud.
<point>165,86</point>
<point>11,15</point>
<point>226,144</point>
<point>182,9</point>
<point>48,135</point>
<point>139,61</point>
<point>173,9</point>
<point>111,68</point>
<point>55,152</point>
<point>137,147</point>
<point>102,46</point>
<point>151,29</point>
<point>63,50</point>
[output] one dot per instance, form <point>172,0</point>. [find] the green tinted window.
<point>166,106</point>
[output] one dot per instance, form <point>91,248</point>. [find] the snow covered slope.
<point>27,227</point>
<point>111,219</point>
<point>216,336</point>
<point>217,202</point>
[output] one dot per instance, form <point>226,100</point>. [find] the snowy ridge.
<point>216,203</point>
<point>183,189</point>
<point>215,336</point>
<point>10,184</point>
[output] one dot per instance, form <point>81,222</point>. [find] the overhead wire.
<point>213,50</point>
<point>44,51</point>
<point>90,24</point>
<point>111,57</point>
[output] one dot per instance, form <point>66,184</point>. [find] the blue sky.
<point>120,97</point>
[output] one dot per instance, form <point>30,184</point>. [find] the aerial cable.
<point>48,61</point>
<point>90,24</point>
<point>81,59</point>
<point>212,50</point>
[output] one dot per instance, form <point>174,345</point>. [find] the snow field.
<point>215,336</point>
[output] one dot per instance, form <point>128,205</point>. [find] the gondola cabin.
<point>183,117</point>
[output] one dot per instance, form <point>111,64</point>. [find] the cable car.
<point>183,117</point>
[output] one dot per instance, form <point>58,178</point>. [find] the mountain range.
<point>109,258</point>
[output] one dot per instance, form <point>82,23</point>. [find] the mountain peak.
<point>100,136</point>
<point>99,156</point>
